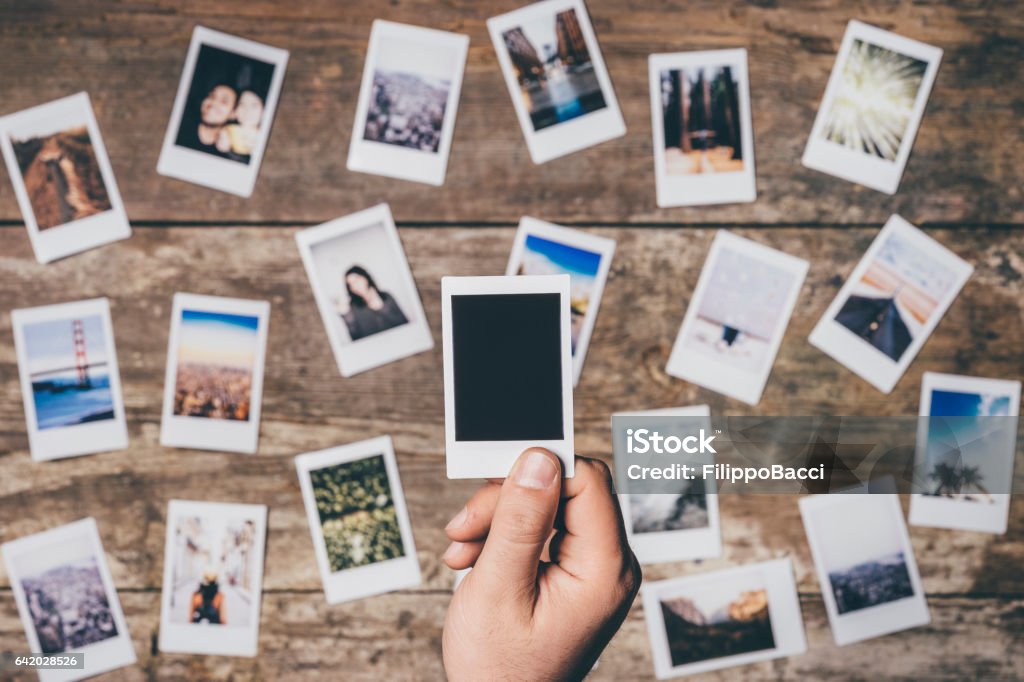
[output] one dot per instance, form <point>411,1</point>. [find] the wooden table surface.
<point>963,184</point>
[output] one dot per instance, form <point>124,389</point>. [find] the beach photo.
<point>358,520</point>
<point>543,248</point>
<point>70,371</point>
<point>737,317</point>
<point>720,619</point>
<point>357,513</point>
<point>364,290</point>
<point>66,599</point>
<point>213,578</point>
<point>62,178</point>
<point>71,388</point>
<point>216,358</point>
<point>214,378</point>
<point>701,120</point>
<point>874,101</point>
<point>965,452</point>
<point>872,107</point>
<point>222,112</point>
<point>896,296</point>
<point>865,564</point>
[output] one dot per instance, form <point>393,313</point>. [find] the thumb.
<point>523,520</point>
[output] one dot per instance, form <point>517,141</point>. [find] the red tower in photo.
<point>81,360</point>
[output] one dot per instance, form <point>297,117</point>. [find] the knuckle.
<point>525,525</point>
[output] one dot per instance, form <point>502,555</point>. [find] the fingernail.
<point>537,471</point>
<point>458,519</point>
<point>452,550</point>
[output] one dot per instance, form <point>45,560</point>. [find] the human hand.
<point>553,575</point>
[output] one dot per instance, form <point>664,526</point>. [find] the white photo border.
<point>720,376</point>
<point>366,156</point>
<point>384,347</point>
<point>372,579</point>
<point>202,433</point>
<point>78,235</point>
<point>675,545</point>
<point>713,188</point>
<point>834,159</point>
<point>205,169</point>
<point>198,638</point>
<point>494,459</point>
<point>936,512</point>
<point>859,356</point>
<point>575,134</point>
<point>880,619</point>
<point>783,608</point>
<point>576,239</point>
<point>100,657</point>
<point>76,439</point>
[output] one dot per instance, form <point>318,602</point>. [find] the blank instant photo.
<point>865,565</point>
<point>67,601</point>
<point>358,519</point>
<point>62,178</point>
<point>364,290</point>
<point>700,118</point>
<point>891,303</point>
<point>507,372</point>
<point>542,248</point>
<point>737,317</point>
<point>213,578</point>
<point>405,118</point>
<point>984,416</point>
<point>664,527</point>
<point>723,619</point>
<point>70,384</point>
<point>873,103</point>
<point>223,112</point>
<point>556,77</point>
<point>213,387</point>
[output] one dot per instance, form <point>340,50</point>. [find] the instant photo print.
<point>737,317</point>
<point>891,303</point>
<point>70,384</point>
<point>965,451</point>
<point>405,118</point>
<point>664,527</point>
<point>564,99</point>
<point>223,112</point>
<point>64,570</point>
<point>700,119</point>
<point>723,619</point>
<point>213,388</point>
<point>542,248</point>
<point>873,104</point>
<point>865,564</point>
<point>507,372</point>
<point>213,578</point>
<point>62,178</point>
<point>364,290</point>
<point>358,519</point>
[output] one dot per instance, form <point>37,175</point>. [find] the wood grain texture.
<point>964,168</point>
<point>308,406</point>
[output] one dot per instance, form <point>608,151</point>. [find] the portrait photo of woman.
<point>369,309</point>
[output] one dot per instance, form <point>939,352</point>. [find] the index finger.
<point>593,542</point>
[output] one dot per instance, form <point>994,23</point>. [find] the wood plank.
<point>308,406</point>
<point>397,636</point>
<point>964,168</point>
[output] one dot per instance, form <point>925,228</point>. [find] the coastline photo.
<point>69,371</point>
<point>216,357</point>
